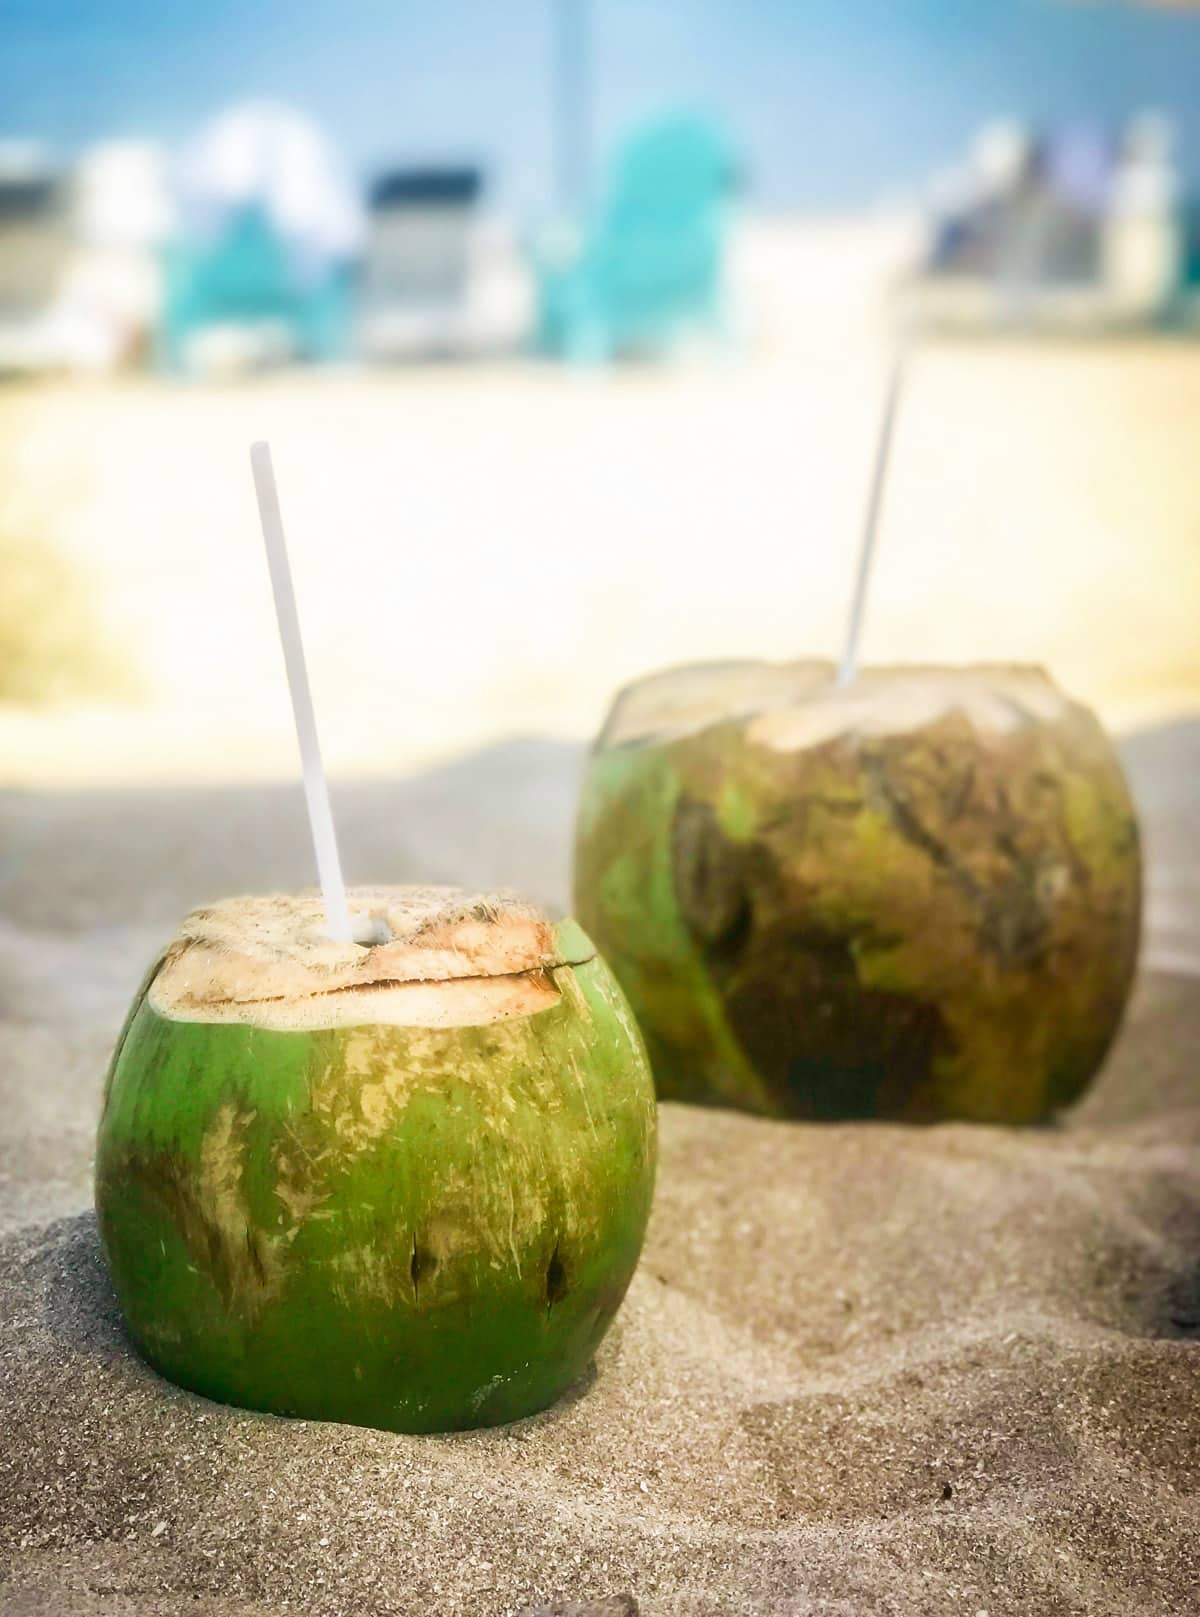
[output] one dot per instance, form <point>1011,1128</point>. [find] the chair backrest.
<point>250,277</point>
<point>678,168</point>
<point>656,253</point>
<point>419,232</point>
<point>243,275</point>
<point>35,244</point>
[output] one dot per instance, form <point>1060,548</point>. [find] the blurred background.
<point>569,323</point>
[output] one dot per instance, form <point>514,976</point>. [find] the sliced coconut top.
<point>798,705</point>
<point>429,957</point>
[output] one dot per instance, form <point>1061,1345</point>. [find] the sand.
<point>862,1369</point>
<point>483,551</point>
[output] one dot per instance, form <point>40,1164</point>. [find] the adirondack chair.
<point>649,268</point>
<point>269,226</point>
<point>247,283</point>
<point>35,245</point>
<point>414,286</point>
<point>1190,255</point>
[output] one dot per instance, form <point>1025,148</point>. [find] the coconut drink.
<point>401,1182</point>
<point>915,895</point>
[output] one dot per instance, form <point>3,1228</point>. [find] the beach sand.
<point>861,1369</point>
<point>488,551</point>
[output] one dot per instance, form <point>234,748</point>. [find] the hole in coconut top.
<point>366,930</point>
<point>369,929</point>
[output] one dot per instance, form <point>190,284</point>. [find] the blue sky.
<point>832,101</point>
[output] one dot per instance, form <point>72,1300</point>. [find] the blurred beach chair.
<point>1082,234</point>
<point>414,292</point>
<point>1144,248</point>
<point>1037,226</point>
<point>647,271</point>
<point>112,298</point>
<point>35,249</point>
<point>268,225</point>
<point>1189,276</point>
<point>244,300</point>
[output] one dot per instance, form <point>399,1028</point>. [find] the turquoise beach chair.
<point>649,270</point>
<point>247,279</point>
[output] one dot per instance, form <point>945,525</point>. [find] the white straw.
<point>848,667</point>
<point>316,791</point>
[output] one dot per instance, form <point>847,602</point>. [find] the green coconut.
<point>917,897</point>
<point>402,1184</point>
